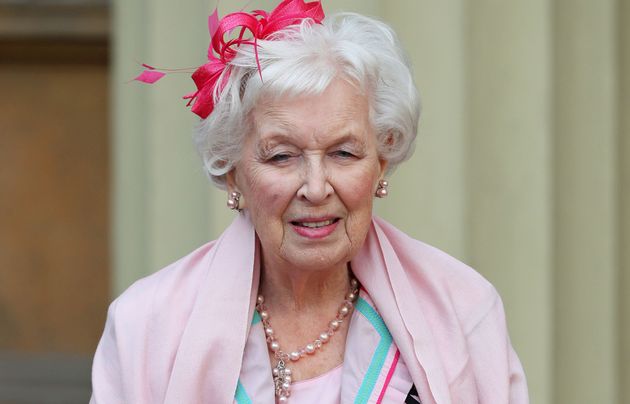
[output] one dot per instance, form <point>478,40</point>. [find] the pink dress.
<point>323,389</point>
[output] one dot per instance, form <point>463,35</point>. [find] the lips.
<point>315,225</point>
<point>315,228</point>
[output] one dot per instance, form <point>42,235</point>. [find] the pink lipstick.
<point>315,228</point>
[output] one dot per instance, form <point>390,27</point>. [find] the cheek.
<point>358,201</point>
<point>267,191</point>
<point>357,196</point>
<point>357,188</point>
<point>364,189</point>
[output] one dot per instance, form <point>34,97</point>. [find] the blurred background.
<point>522,170</point>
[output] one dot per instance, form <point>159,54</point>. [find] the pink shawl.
<point>178,336</point>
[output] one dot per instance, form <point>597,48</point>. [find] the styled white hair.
<point>305,59</point>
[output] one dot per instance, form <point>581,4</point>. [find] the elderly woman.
<point>307,297</point>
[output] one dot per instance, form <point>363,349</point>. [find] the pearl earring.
<point>381,191</point>
<point>234,200</point>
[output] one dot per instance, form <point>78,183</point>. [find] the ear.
<point>383,164</point>
<point>230,180</point>
<point>389,143</point>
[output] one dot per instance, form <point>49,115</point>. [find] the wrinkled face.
<point>308,173</point>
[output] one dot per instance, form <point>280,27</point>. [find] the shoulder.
<point>464,313</point>
<point>177,282</point>
<point>441,279</point>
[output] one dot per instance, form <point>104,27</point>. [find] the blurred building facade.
<point>54,203</point>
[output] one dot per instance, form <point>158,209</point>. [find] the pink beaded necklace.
<point>281,373</point>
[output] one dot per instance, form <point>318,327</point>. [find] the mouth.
<point>315,225</point>
<point>315,228</point>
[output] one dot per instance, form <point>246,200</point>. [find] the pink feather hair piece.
<point>210,78</point>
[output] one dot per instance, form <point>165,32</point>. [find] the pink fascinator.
<point>251,27</point>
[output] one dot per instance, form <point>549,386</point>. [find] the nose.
<point>315,187</point>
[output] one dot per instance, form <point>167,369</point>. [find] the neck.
<point>293,290</point>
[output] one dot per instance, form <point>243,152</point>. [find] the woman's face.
<point>307,174</point>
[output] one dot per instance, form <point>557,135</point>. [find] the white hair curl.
<point>305,59</point>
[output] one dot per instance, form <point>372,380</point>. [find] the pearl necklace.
<point>281,373</point>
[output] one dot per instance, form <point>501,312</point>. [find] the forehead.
<point>340,111</point>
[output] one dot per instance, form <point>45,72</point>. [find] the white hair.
<point>305,59</point>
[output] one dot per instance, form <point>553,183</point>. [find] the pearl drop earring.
<point>234,200</point>
<point>381,191</point>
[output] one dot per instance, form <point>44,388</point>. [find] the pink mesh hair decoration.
<point>258,24</point>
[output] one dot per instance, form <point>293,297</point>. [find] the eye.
<point>344,154</point>
<point>280,158</point>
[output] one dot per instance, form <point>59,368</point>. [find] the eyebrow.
<point>351,139</point>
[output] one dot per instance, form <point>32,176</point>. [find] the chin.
<point>319,259</point>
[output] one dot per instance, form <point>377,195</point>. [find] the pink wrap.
<point>178,336</point>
